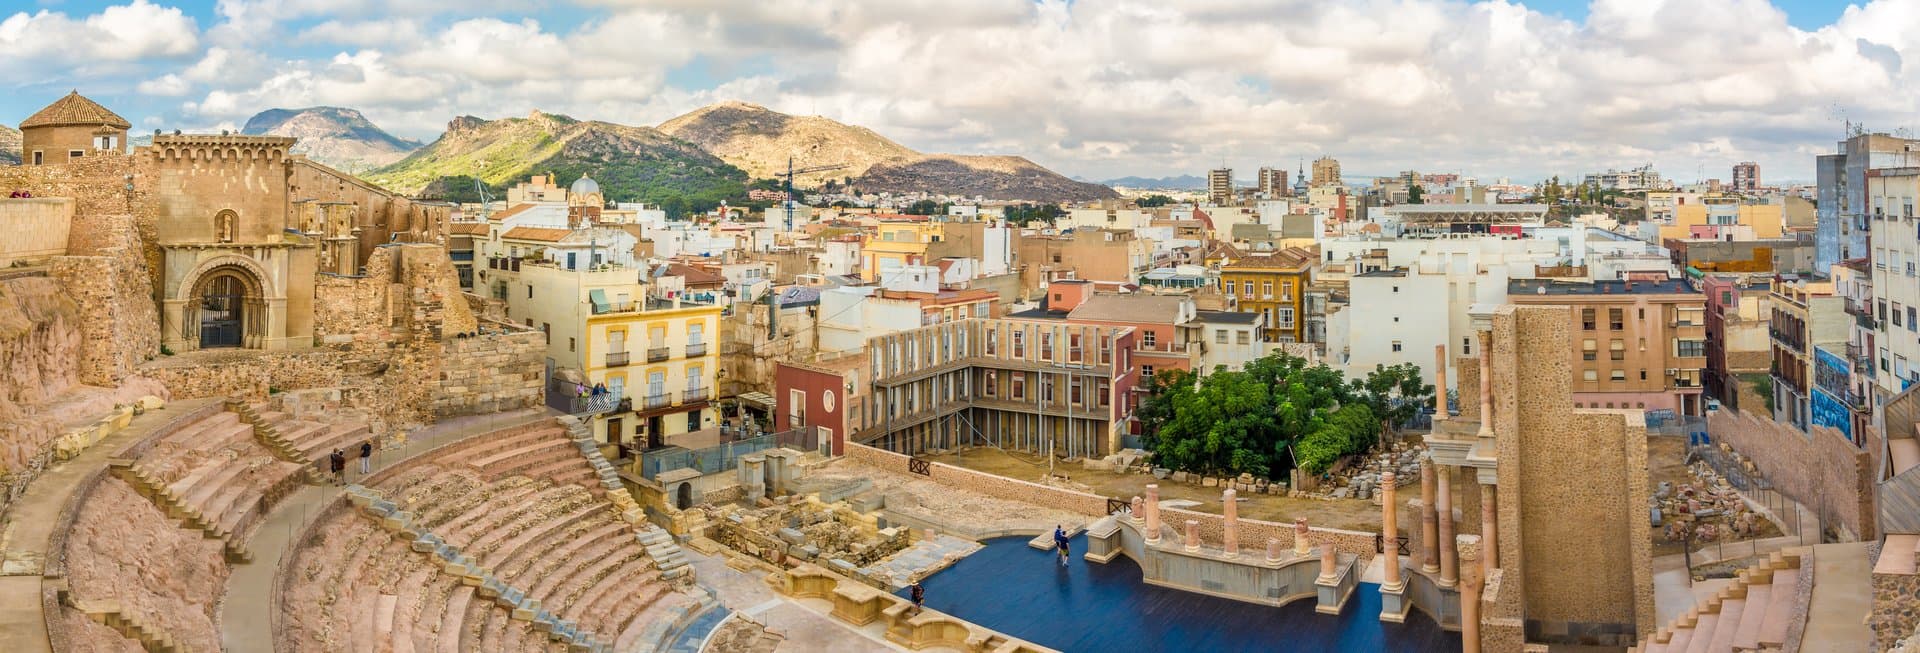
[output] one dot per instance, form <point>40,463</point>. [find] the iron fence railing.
<point>723,456</point>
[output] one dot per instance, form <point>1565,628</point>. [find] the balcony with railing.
<point>617,359</point>
<point>696,349</point>
<point>657,354</point>
<point>656,401</point>
<point>694,395</point>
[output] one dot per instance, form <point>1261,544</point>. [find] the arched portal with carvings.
<point>226,307</point>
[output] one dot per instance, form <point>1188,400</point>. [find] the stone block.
<point>1209,481</point>
<point>1179,477</point>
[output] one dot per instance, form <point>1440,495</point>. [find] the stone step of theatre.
<point>1754,613</point>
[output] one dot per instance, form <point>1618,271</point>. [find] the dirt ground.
<point>1348,514</point>
<point>1666,461</point>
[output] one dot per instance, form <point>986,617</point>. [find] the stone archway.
<point>226,305</point>
<point>683,496</point>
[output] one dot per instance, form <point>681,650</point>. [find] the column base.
<point>1394,604</point>
<point>1331,595</point>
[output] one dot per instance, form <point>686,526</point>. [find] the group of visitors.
<point>20,194</point>
<point>337,462</point>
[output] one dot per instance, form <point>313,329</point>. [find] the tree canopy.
<point>1152,201</point>
<point>1273,414</point>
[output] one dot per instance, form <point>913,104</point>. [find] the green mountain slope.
<point>632,164</point>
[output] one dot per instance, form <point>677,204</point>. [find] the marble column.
<point>1489,529</point>
<point>1153,513</point>
<point>1302,538</point>
<point>1470,585</point>
<point>1230,531</point>
<point>1429,520</point>
<point>1273,549</point>
<point>1439,382</point>
<point>1138,512</point>
<point>1193,535</point>
<point>1389,532</point>
<point>1449,563</point>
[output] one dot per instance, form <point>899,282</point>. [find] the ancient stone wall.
<point>33,229</point>
<point>125,550</point>
<point>488,374</point>
<point>1820,469</point>
<point>383,217</point>
<point>1253,534</point>
<point>1896,608</point>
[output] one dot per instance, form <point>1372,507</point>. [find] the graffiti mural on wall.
<point>1828,411</point>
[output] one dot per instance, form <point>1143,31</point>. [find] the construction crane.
<point>791,194</point>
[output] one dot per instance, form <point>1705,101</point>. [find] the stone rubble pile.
<point>1708,510</point>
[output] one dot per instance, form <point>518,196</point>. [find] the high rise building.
<point>1220,186</point>
<point>1841,215</point>
<point>1326,170</point>
<point>1746,177</point>
<point>1273,182</point>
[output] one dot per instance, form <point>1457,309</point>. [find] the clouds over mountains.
<point>1093,87</point>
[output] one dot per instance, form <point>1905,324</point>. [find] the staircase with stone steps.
<point>175,507</point>
<point>1754,613</point>
<point>109,614</point>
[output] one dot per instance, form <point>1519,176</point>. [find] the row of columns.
<point>1146,513</point>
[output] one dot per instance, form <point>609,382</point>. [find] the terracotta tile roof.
<point>467,228</point>
<point>75,109</point>
<point>1129,309</point>
<point>514,210</point>
<point>1291,257</point>
<point>542,234</point>
<point>694,276</point>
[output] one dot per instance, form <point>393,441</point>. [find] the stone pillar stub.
<point>1153,513</point>
<point>1230,530</point>
<point>1302,537</point>
<point>1193,535</point>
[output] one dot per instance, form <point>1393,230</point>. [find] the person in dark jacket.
<point>366,457</point>
<point>337,463</point>
<point>919,594</point>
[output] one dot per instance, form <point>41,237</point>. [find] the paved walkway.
<point>1842,597</point>
<point>30,521</point>
<point>804,629</point>
<point>247,612</point>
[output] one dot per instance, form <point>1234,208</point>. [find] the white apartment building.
<point>1894,232</point>
<point>1399,315</point>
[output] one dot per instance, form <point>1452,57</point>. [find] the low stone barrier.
<point>860,605</point>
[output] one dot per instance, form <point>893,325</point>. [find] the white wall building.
<point>1398,316</point>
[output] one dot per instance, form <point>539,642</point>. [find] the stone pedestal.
<point>1230,531</point>
<point>1449,563</point>
<point>1429,520</point>
<point>1193,535</point>
<point>1302,538</point>
<point>1153,513</point>
<point>1336,582</point>
<point>1329,558</point>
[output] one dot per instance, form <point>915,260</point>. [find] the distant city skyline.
<point>1094,88</point>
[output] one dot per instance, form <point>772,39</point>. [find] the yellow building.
<point>1721,217</point>
<point>1274,285</point>
<point>652,349</point>
<point>897,241</point>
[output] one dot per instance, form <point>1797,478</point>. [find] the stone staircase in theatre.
<point>1759,611</point>
<point>518,540</point>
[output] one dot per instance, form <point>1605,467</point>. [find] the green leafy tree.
<point>1152,201</point>
<point>1394,393</point>
<point>1416,194</point>
<point>925,207</point>
<point>1254,420</point>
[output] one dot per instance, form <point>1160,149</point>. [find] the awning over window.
<point>599,299</point>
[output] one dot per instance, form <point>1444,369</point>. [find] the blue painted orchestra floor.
<point>1090,606</point>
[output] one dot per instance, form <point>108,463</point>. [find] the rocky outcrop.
<point>760,141</point>
<point>338,137</point>
<point>9,146</point>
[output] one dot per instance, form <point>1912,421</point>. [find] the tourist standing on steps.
<point>366,457</point>
<point>337,462</point>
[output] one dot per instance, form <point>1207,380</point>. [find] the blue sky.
<point>1096,88</point>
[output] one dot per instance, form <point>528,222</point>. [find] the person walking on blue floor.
<point>1060,542</point>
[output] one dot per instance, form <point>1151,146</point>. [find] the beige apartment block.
<point>1638,344</point>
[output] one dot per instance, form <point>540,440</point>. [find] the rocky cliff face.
<point>9,145</point>
<point>341,138</point>
<point>760,141</point>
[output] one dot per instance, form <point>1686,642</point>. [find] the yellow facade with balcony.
<point>895,244</point>
<point>1273,285</point>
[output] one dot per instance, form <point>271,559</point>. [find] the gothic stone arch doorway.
<point>227,307</point>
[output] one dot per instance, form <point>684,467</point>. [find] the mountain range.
<point>334,136</point>
<point>1180,182</point>
<point>762,142</point>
